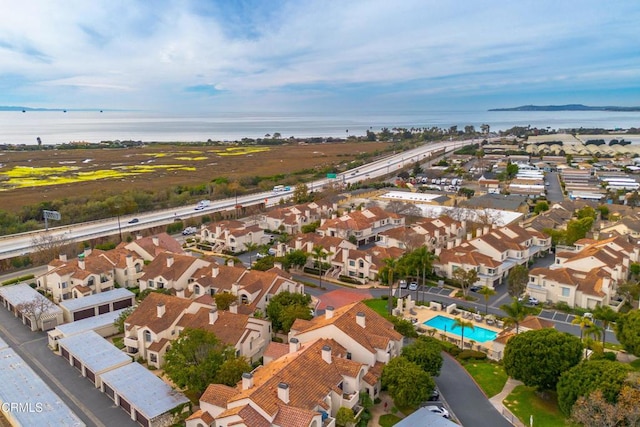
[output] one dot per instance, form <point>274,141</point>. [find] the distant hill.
<point>568,107</point>
<point>14,108</point>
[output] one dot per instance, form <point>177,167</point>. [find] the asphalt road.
<point>554,190</point>
<point>465,399</point>
<point>93,407</point>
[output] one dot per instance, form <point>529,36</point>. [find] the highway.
<point>21,244</point>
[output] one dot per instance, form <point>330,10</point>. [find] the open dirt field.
<point>28,177</point>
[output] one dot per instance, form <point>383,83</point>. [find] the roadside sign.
<point>332,176</point>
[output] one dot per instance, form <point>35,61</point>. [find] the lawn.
<point>490,376</point>
<point>378,305</point>
<point>389,420</point>
<point>525,402</point>
<point>635,364</point>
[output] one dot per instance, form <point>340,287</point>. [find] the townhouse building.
<point>150,247</point>
<point>291,219</point>
<point>433,233</point>
<point>170,271</point>
<point>587,274</point>
<point>304,388</point>
<point>232,236</point>
<point>160,318</point>
<point>364,226</point>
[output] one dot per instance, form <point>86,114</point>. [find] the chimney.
<point>458,241</point>
<point>283,392</point>
<point>233,308</point>
<point>469,236</point>
<point>180,293</point>
<point>328,312</point>
<point>247,380</point>
<point>326,354</point>
<point>87,251</point>
<point>213,316</point>
<point>230,262</point>
<point>160,309</point>
<point>437,251</point>
<point>479,232</point>
<point>81,263</point>
<point>215,270</point>
<point>169,261</point>
<point>360,320</point>
<point>450,244</point>
<point>485,231</point>
<point>436,233</point>
<point>129,260</point>
<point>63,257</point>
<point>155,240</point>
<point>277,265</point>
<point>138,236</point>
<point>294,345</point>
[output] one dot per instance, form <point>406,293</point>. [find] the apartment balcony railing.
<point>131,342</point>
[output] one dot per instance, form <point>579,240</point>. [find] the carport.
<point>92,355</point>
<point>96,304</point>
<point>144,396</point>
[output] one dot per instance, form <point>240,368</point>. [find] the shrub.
<point>348,279</point>
<point>471,354</point>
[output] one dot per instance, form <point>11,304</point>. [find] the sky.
<point>305,55</point>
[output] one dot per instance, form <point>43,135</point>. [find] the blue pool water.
<point>478,334</point>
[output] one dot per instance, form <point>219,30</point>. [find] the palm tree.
<point>391,264</point>
<point>516,312</point>
<point>462,324</point>
<point>584,323</point>
<point>320,254</point>
<point>607,315</point>
<point>486,292</point>
<point>250,247</point>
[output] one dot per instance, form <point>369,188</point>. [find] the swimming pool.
<point>478,333</point>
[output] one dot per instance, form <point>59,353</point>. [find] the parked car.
<point>413,286</point>
<point>438,410</point>
<point>134,220</point>
<point>475,288</point>
<point>403,284</point>
<point>189,230</point>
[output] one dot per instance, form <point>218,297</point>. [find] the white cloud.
<point>152,51</point>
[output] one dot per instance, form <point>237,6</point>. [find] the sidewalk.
<point>379,410</point>
<point>498,398</point>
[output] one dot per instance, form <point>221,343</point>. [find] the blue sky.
<point>207,56</point>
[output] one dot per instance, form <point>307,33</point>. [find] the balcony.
<point>131,342</point>
<point>349,400</point>
<point>329,422</point>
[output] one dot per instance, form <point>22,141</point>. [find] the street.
<point>93,407</point>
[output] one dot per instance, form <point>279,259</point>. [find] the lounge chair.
<point>477,317</point>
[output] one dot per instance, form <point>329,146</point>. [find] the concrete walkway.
<point>498,398</point>
<point>382,408</point>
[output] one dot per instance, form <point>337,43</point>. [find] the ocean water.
<point>55,127</point>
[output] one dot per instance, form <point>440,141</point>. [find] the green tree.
<point>264,263</point>
<point>195,358</point>
<point>283,308</point>
<point>461,323</point>
<point>297,258</point>
<point>406,382</point>
<point>539,357</point>
<point>403,326</point>
<point>311,227</point>
<point>120,321</point>
<point>250,247</point>
<point>486,293</point>
<point>425,352</point>
<point>232,369</point>
<point>224,300</point>
<point>577,229</point>
<point>345,417</point>
<point>541,206</point>
<point>516,313</point>
<point>301,193</point>
<point>587,377</point>
<point>465,278</point>
<point>605,314</point>
<point>517,280</point>
<point>627,328</point>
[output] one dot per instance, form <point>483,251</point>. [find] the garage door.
<point>122,304</point>
<point>103,309</point>
<point>109,392</point>
<point>27,321</point>
<point>141,419</point>
<point>125,405</point>
<point>90,375</point>
<point>84,314</point>
<point>77,364</point>
<point>65,353</point>
<point>49,324</point>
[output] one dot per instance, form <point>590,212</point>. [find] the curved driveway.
<point>468,403</point>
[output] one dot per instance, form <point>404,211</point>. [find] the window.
<point>361,264</point>
<point>566,291</point>
<point>64,285</point>
<point>348,355</point>
<point>147,336</point>
<point>151,284</point>
<point>352,263</point>
<point>196,290</point>
<point>153,357</point>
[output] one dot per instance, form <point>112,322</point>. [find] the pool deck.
<point>424,314</point>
